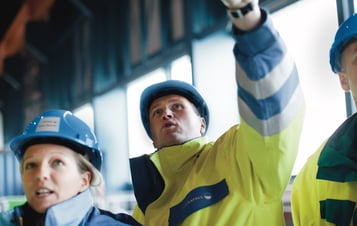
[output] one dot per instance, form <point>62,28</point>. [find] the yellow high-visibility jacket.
<point>240,178</point>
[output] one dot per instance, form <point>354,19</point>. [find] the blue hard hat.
<point>59,127</point>
<point>346,31</point>
<point>167,88</point>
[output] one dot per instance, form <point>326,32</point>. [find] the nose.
<point>167,114</point>
<point>42,172</point>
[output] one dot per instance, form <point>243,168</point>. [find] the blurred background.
<point>95,57</point>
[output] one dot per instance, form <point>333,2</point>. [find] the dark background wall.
<point>86,48</point>
<point>78,49</point>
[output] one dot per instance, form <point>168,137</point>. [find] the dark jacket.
<point>77,211</point>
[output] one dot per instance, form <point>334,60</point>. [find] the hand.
<point>234,4</point>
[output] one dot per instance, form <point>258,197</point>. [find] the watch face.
<point>239,13</point>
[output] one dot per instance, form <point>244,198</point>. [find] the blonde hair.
<point>84,165</point>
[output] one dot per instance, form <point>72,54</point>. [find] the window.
<point>309,38</point>
<point>1,132</point>
<point>181,69</point>
<point>139,143</point>
<point>85,113</point>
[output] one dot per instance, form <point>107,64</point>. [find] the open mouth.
<point>166,125</point>
<point>43,192</point>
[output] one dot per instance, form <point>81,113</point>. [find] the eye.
<point>29,165</point>
<point>58,162</point>
<point>156,112</point>
<point>177,106</point>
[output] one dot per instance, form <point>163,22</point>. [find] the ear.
<point>86,179</point>
<point>344,82</point>
<point>153,144</point>
<point>203,126</point>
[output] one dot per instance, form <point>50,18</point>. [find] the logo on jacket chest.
<point>197,199</point>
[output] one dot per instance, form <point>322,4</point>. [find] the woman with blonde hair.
<point>60,160</point>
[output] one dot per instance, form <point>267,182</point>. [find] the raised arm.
<point>270,100</point>
<point>269,91</point>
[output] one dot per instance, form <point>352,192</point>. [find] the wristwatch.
<point>240,12</point>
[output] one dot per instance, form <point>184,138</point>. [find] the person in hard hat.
<point>60,160</point>
<point>324,191</point>
<point>240,178</point>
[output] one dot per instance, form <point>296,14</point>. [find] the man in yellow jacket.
<point>240,178</point>
<point>325,191</point>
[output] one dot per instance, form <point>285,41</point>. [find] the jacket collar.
<point>338,158</point>
<point>177,157</point>
<point>70,212</point>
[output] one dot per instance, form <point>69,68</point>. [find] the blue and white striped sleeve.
<point>269,92</point>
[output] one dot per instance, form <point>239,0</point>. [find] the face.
<point>348,76</point>
<point>174,120</point>
<point>50,175</point>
